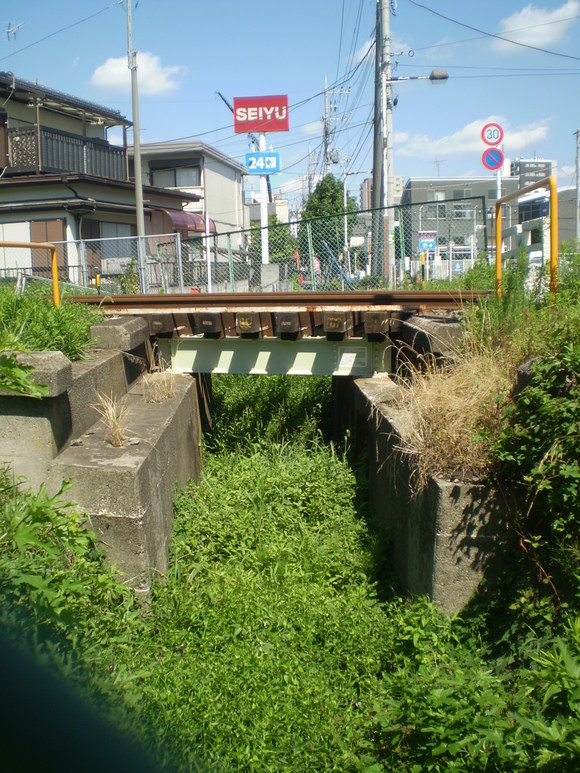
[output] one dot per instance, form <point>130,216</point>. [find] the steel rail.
<point>224,303</point>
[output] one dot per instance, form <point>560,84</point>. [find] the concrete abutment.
<point>440,540</point>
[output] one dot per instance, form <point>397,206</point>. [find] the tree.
<point>323,218</point>
<point>328,199</point>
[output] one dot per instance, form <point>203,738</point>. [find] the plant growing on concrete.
<point>18,378</point>
<point>159,385</point>
<point>113,414</point>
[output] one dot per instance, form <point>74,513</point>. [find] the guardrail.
<point>53,262</point>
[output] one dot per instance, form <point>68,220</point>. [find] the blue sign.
<point>427,242</point>
<point>263,163</point>
<point>492,159</point>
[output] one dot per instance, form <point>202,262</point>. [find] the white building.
<point>194,167</point>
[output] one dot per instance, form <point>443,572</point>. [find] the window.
<point>461,193</point>
<point>183,173</point>
<point>435,211</point>
<point>462,210</point>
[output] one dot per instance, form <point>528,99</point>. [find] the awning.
<point>189,221</point>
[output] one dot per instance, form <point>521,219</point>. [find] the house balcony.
<point>31,151</point>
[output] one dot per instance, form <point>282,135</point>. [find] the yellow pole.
<point>54,266</point>
<point>553,236</point>
<point>551,181</point>
<point>54,263</point>
<point>498,240</point>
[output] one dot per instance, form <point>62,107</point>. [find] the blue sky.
<point>189,50</point>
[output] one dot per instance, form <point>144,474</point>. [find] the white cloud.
<point>534,26</point>
<point>468,139</point>
<point>153,77</point>
<point>362,51</point>
<point>314,127</point>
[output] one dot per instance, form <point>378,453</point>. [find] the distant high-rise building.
<point>531,170</point>
<point>366,192</point>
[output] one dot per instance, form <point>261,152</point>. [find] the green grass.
<point>30,322</point>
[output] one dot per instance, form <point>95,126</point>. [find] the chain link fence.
<point>360,250</point>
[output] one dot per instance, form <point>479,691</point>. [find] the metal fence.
<point>365,249</point>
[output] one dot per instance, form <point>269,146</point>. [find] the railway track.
<point>316,302</point>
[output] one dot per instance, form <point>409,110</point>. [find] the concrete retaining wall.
<point>127,492</point>
<point>439,540</point>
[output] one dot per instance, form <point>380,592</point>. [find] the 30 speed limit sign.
<point>492,134</point>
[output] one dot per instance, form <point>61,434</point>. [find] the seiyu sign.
<point>261,114</point>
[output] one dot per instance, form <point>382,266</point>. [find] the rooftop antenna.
<point>11,31</point>
<point>11,35</point>
<point>438,162</point>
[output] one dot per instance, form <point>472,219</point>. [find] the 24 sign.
<point>263,163</point>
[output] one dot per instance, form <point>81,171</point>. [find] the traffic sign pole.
<point>264,208</point>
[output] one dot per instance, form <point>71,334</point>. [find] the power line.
<point>492,34</point>
<point>62,29</point>
<point>485,35</point>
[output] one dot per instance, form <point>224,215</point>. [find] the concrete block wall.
<point>440,540</point>
<point>126,492</point>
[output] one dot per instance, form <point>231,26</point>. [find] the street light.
<point>435,76</point>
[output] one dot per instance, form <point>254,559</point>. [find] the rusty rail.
<point>224,303</point>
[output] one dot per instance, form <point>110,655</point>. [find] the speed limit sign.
<point>492,134</point>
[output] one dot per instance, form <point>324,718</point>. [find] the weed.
<point>113,414</point>
<point>158,387</point>
<point>30,322</point>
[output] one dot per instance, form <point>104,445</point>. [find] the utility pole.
<point>577,216</point>
<point>326,130</point>
<point>382,139</point>
<point>389,202</point>
<point>132,64</point>
<point>330,154</point>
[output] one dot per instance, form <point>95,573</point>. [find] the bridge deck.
<point>296,333</point>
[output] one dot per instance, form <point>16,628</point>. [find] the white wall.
<point>14,257</point>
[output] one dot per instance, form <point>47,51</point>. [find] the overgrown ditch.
<point>275,642</point>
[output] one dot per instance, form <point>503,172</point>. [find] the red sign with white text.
<point>261,114</point>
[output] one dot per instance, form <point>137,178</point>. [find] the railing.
<point>49,150</point>
<point>547,182</point>
<point>53,261</point>
<point>317,255</point>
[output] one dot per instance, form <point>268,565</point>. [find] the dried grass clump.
<point>451,416</point>
<point>158,387</point>
<point>113,415</point>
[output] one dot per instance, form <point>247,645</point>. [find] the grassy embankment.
<point>275,642</point>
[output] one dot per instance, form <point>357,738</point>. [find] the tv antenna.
<point>11,31</point>
<point>438,162</point>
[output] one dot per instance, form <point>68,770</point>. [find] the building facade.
<point>214,179</point>
<point>61,180</point>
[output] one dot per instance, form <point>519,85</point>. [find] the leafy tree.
<point>326,205</point>
<point>328,199</point>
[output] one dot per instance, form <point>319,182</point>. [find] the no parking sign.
<point>492,159</point>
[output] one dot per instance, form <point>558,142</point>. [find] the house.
<point>196,168</point>
<point>63,181</point>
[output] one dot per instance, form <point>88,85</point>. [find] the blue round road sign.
<point>492,158</point>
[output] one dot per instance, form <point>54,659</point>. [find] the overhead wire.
<point>62,29</point>
<point>493,35</point>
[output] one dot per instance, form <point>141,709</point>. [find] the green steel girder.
<point>274,356</point>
